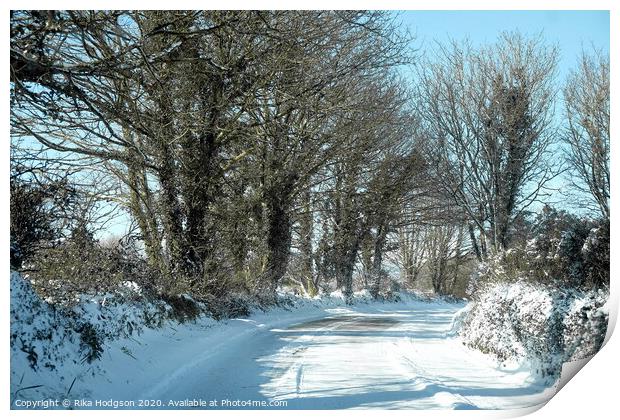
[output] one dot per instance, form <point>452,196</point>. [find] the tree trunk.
<point>305,243</point>
<point>377,261</point>
<point>279,235</point>
<point>474,242</point>
<point>366,257</point>
<point>140,206</point>
<point>344,269</point>
<point>348,242</point>
<point>171,210</point>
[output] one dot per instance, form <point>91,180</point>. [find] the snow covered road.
<point>312,354</point>
<point>384,356</point>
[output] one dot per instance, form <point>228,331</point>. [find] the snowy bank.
<point>521,322</point>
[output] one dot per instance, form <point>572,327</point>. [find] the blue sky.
<point>571,30</point>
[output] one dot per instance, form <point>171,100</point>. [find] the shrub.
<point>543,299</point>
<point>80,265</point>
<point>546,325</point>
<point>596,256</point>
<point>90,342</point>
<point>31,221</point>
<point>183,307</point>
<point>569,250</point>
<point>228,307</point>
<point>563,251</point>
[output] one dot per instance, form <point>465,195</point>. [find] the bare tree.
<point>389,188</point>
<point>303,123</point>
<point>586,98</point>
<point>487,113</point>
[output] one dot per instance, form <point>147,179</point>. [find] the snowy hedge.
<point>523,321</point>
<point>49,335</point>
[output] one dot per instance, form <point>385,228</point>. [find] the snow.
<point>358,362</point>
<point>319,354</point>
<point>521,321</point>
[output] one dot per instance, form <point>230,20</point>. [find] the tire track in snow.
<point>297,365</point>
